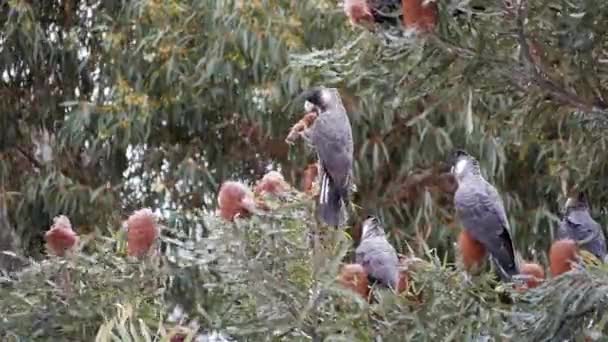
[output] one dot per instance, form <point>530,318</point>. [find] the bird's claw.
<point>467,280</point>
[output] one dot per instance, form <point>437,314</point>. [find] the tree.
<point>192,94</point>
<point>110,106</point>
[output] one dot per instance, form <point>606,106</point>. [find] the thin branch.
<point>29,157</point>
<point>540,80</point>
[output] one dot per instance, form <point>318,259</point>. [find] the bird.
<point>377,256</point>
<point>578,225</point>
<point>481,212</point>
<point>331,137</point>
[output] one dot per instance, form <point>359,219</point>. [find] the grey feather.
<point>577,224</point>
<point>377,256</point>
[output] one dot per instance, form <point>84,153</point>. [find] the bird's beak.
<point>308,106</point>
<point>569,202</point>
<point>452,170</point>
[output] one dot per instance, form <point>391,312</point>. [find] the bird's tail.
<point>506,268</point>
<point>506,260</point>
<point>331,201</point>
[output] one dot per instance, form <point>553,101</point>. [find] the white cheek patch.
<point>460,166</point>
<point>326,95</point>
<point>308,106</point>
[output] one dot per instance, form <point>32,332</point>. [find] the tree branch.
<point>29,157</point>
<point>539,79</point>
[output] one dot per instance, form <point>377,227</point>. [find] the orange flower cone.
<point>358,12</point>
<point>309,176</point>
<point>562,255</point>
<point>420,16</point>
<point>234,199</point>
<point>142,232</point>
<point>60,238</point>
<point>535,275</point>
<point>272,183</point>
<point>354,277</point>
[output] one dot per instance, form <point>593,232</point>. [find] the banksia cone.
<point>358,12</point>
<point>234,199</point>
<point>354,277</point>
<point>178,338</point>
<point>403,282</point>
<point>306,121</point>
<point>418,15</point>
<point>309,176</point>
<point>60,238</point>
<point>562,255</point>
<point>142,232</point>
<point>472,251</point>
<point>272,183</point>
<point>534,275</point>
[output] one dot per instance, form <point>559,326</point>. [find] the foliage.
<point>198,92</point>
<point>257,280</point>
<point>109,106</point>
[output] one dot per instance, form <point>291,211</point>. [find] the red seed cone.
<point>60,238</point>
<point>178,338</point>
<point>234,199</point>
<point>419,16</point>
<point>354,277</point>
<point>403,283</point>
<point>535,275</point>
<point>358,12</point>
<point>272,183</point>
<point>309,176</point>
<point>294,132</point>
<point>142,232</point>
<point>561,256</point>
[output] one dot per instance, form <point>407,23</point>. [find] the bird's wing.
<point>578,217</point>
<point>496,204</point>
<point>580,226</point>
<point>334,145</point>
<point>379,259</point>
<point>583,228</point>
<point>481,211</point>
